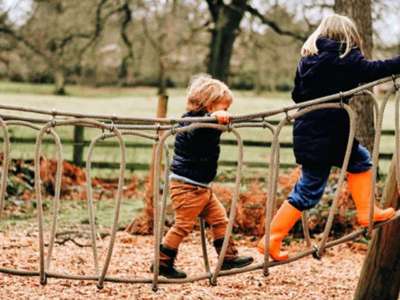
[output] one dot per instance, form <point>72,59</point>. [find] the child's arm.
<point>296,93</point>
<point>377,69</point>
<point>210,133</point>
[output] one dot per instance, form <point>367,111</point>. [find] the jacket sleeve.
<point>376,69</point>
<point>296,91</point>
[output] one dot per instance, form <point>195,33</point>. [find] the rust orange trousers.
<point>189,202</point>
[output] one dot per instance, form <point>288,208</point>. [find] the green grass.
<point>75,213</point>
<point>142,101</point>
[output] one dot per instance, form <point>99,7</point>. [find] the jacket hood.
<point>324,44</point>
<point>310,67</point>
<point>191,114</point>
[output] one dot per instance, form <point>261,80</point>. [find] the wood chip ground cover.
<point>333,277</point>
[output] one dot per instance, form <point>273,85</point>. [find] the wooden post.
<point>78,145</point>
<point>149,210</point>
<point>161,113</point>
<point>380,275</point>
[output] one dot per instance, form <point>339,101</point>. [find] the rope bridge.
<point>117,129</point>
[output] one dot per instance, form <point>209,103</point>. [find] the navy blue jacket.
<point>320,137</point>
<point>196,152</point>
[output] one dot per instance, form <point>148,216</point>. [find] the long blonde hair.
<point>334,27</point>
<point>203,90</point>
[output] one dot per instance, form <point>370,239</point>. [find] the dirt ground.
<point>333,277</point>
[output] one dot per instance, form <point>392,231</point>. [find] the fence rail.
<point>79,143</point>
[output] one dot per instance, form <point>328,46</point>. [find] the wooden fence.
<point>79,143</point>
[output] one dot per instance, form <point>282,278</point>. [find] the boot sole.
<point>230,267</point>
<point>171,277</point>
<point>379,219</point>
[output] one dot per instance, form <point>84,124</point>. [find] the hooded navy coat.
<point>320,137</point>
<point>196,152</point>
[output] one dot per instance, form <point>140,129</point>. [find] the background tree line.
<point>250,44</point>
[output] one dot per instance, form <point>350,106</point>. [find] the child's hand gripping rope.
<point>222,116</point>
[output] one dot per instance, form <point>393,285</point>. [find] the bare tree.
<point>227,19</point>
<point>360,12</point>
<point>55,33</point>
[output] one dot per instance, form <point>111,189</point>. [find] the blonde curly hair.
<point>203,91</point>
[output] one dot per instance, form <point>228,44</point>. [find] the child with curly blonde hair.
<point>193,168</point>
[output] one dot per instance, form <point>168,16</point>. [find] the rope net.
<point>62,118</point>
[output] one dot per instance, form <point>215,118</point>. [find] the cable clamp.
<point>173,129</point>
<point>264,124</point>
<point>230,127</point>
<point>112,125</point>
<point>286,110</point>
<point>366,235</point>
<point>157,135</point>
<point>316,254</point>
<point>103,135</point>
<point>53,118</point>
<point>394,82</point>
<point>341,100</point>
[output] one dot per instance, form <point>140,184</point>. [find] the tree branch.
<point>8,31</point>
<point>273,25</point>
<point>125,39</point>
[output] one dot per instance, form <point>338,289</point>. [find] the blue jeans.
<point>308,191</point>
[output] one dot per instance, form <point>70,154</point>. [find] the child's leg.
<point>306,193</point>
<point>215,214</point>
<point>188,201</point>
<point>359,179</point>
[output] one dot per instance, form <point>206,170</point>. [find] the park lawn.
<point>75,213</point>
<point>142,101</point>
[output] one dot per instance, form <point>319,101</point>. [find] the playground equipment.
<point>117,129</point>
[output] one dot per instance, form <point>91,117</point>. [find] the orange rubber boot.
<point>360,189</point>
<point>281,224</point>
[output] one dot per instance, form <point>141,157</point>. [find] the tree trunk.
<point>380,275</point>
<point>59,81</point>
<point>360,12</point>
<point>227,20</point>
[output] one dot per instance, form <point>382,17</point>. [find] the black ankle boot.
<point>232,260</point>
<point>166,266</point>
